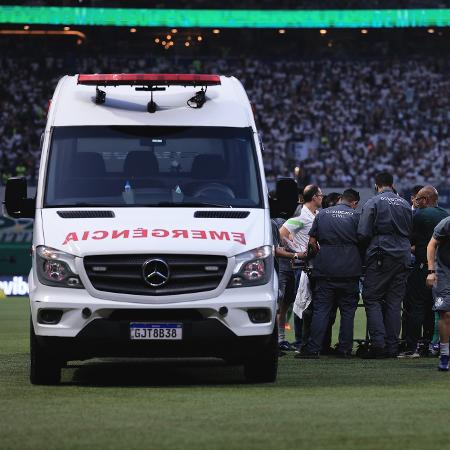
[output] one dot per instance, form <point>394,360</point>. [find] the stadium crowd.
<point>340,121</point>
<point>353,118</point>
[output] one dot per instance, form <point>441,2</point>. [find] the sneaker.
<point>422,348</point>
<point>433,349</point>
<point>285,346</point>
<point>306,354</point>
<point>296,345</point>
<point>443,363</point>
<point>409,354</point>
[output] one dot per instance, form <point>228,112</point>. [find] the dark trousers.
<point>383,291</point>
<point>327,292</point>
<point>326,344</point>
<point>419,307</point>
<point>286,286</point>
<point>304,324</point>
<point>406,307</point>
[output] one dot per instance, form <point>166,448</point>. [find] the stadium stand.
<point>349,119</point>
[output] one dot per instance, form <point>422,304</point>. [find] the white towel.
<point>303,297</point>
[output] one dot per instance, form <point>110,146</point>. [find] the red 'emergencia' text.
<point>143,233</point>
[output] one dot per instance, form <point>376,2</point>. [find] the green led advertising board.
<point>225,18</point>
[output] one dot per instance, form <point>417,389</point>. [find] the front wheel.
<point>263,366</point>
<point>43,368</point>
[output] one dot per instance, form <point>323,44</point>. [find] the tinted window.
<point>155,166</point>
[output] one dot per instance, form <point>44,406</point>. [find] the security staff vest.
<point>335,229</point>
<point>386,224</point>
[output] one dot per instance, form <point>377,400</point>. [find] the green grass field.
<point>315,404</point>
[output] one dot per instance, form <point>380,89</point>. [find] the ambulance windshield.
<point>152,166</point>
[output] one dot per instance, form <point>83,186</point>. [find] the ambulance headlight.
<point>253,268</point>
<point>56,268</point>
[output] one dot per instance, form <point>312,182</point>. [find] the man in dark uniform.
<point>418,295</point>
<point>328,201</point>
<point>385,229</point>
<point>336,269</point>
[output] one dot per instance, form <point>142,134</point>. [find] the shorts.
<point>441,292</point>
<point>286,287</point>
<point>441,303</point>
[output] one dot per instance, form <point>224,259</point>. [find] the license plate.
<point>156,331</point>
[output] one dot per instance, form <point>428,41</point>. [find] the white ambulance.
<point>152,233</point>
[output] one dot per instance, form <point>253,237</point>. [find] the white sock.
<point>282,336</point>
<point>444,349</point>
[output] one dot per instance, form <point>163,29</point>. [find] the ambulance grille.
<point>124,274</point>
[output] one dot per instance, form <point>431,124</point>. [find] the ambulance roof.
<point>226,105</point>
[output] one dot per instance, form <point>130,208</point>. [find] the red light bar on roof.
<point>148,79</point>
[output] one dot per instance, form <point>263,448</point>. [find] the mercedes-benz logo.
<point>156,272</point>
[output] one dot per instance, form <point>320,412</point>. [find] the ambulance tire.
<point>44,370</point>
<point>263,366</point>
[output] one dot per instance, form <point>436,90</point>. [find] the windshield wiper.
<point>193,204</point>
<point>142,205</point>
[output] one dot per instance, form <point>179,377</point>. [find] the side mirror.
<point>16,202</point>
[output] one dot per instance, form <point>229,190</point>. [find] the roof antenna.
<point>100,96</point>
<point>151,105</point>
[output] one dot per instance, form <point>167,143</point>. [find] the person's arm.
<point>365,225</point>
<point>431,257</point>
<point>283,253</point>
<point>416,229</point>
<point>441,232</point>
<point>313,245</point>
<point>285,233</point>
<point>287,238</point>
<point>290,227</point>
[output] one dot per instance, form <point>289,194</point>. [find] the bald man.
<point>419,296</point>
<point>294,233</point>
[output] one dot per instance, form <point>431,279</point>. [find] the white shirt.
<point>299,228</point>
